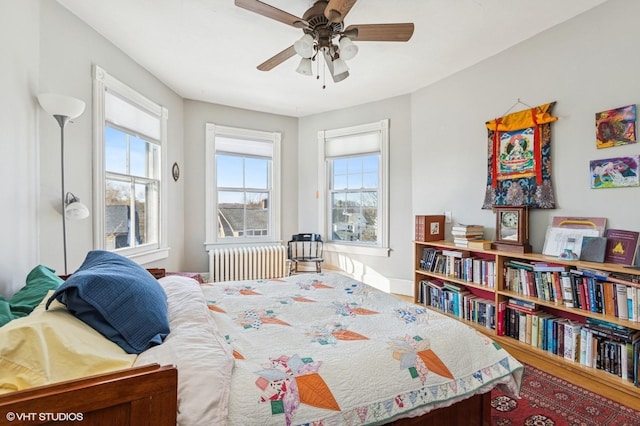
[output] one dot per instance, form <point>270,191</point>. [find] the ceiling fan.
<point>322,23</point>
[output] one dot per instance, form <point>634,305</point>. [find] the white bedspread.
<point>327,349</point>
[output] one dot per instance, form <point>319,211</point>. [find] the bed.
<point>320,349</point>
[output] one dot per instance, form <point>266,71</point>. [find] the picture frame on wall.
<point>616,127</point>
<point>616,172</point>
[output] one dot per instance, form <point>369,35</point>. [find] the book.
<point>567,289</point>
<point>460,227</point>
<point>479,244</point>
<point>593,249</point>
<point>621,246</point>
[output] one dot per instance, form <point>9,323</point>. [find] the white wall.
<point>68,50</point>
<point>18,141</point>
<point>196,115</point>
<point>382,272</point>
<point>588,64</point>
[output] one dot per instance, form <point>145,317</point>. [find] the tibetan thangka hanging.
<point>519,159</point>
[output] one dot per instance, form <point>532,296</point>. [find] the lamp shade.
<point>304,67</point>
<point>304,46</point>
<point>348,49</point>
<point>76,211</point>
<point>339,66</point>
<point>61,105</point>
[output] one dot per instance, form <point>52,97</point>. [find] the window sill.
<point>149,256</point>
<point>354,249</point>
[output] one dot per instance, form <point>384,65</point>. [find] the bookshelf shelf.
<point>607,383</point>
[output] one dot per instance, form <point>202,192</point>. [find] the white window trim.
<point>381,126</point>
<point>211,198</point>
<point>103,80</point>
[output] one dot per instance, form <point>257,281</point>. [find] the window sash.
<point>331,146</point>
<point>120,107</point>
<point>244,144</point>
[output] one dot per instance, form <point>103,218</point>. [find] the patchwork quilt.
<point>325,349</point>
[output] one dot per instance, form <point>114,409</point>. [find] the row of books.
<point>591,290</point>
<point>459,264</point>
<point>595,343</point>
<point>455,300</point>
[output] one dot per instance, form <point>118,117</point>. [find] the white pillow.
<point>202,356</point>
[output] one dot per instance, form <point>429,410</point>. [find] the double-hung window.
<point>242,176</point>
<point>130,136</point>
<point>354,172</point>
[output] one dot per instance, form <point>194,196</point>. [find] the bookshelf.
<point>491,289</point>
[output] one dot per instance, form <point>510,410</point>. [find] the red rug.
<point>549,401</point>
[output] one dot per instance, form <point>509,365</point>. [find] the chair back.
<point>305,248</point>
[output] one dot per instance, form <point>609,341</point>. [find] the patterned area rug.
<point>549,401</point>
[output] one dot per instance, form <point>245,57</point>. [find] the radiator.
<point>247,263</point>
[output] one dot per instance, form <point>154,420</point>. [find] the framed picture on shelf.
<point>429,228</point>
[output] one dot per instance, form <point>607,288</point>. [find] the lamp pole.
<point>62,121</point>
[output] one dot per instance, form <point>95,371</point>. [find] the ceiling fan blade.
<point>382,32</point>
<point>277,59</point>
<point>269,11</point>
<point>336,78</point>
<point>336,10</point>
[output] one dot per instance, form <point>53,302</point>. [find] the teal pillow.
<point>5,312</point>
<point>40,280</point>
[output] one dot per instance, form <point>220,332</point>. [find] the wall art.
<point>519,159</point>
<point>615,172</point>
<point>616,127</point>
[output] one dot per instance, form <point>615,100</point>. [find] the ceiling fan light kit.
<point>304,67</point>
<point>322,23</point>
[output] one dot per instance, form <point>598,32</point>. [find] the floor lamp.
<point>64,109</point>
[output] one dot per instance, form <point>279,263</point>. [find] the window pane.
<point>115,150</point>
<point>142,155</point>
<point>146,218</point>
<point>370,180</point>
<point>229,171</point>
<point>256,173</point>
<point>257,214</point>
<point>354,212</point>
<point>117,205</point>
<point>242,214</point>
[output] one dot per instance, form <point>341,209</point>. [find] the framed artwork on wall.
<point>617,172</point>
<point>616,127</point>
<point>519,159</point>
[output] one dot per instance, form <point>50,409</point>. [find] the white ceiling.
<point>208,50</point>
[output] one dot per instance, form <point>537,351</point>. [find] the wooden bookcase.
<point>596,380</point>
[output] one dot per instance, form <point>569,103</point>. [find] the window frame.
<point>103,81</point>
<point>324,179</point>
<point>211,188</point>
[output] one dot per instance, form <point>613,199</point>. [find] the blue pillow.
<point>118,298</point>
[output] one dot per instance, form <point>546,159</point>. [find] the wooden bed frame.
<point>136,396</point>
<point>147,395</point>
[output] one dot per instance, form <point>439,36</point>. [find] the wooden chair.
<point>304,248</point>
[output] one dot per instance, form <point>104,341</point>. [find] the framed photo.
<point>512,225</point>
<point>429,228</point>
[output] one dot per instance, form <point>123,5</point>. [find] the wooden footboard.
<point>474,411</point>
<point>138,396</point>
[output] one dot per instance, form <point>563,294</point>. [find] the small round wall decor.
<point>175,171</point>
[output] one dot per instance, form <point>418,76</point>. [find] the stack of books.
<point>463,234</point>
